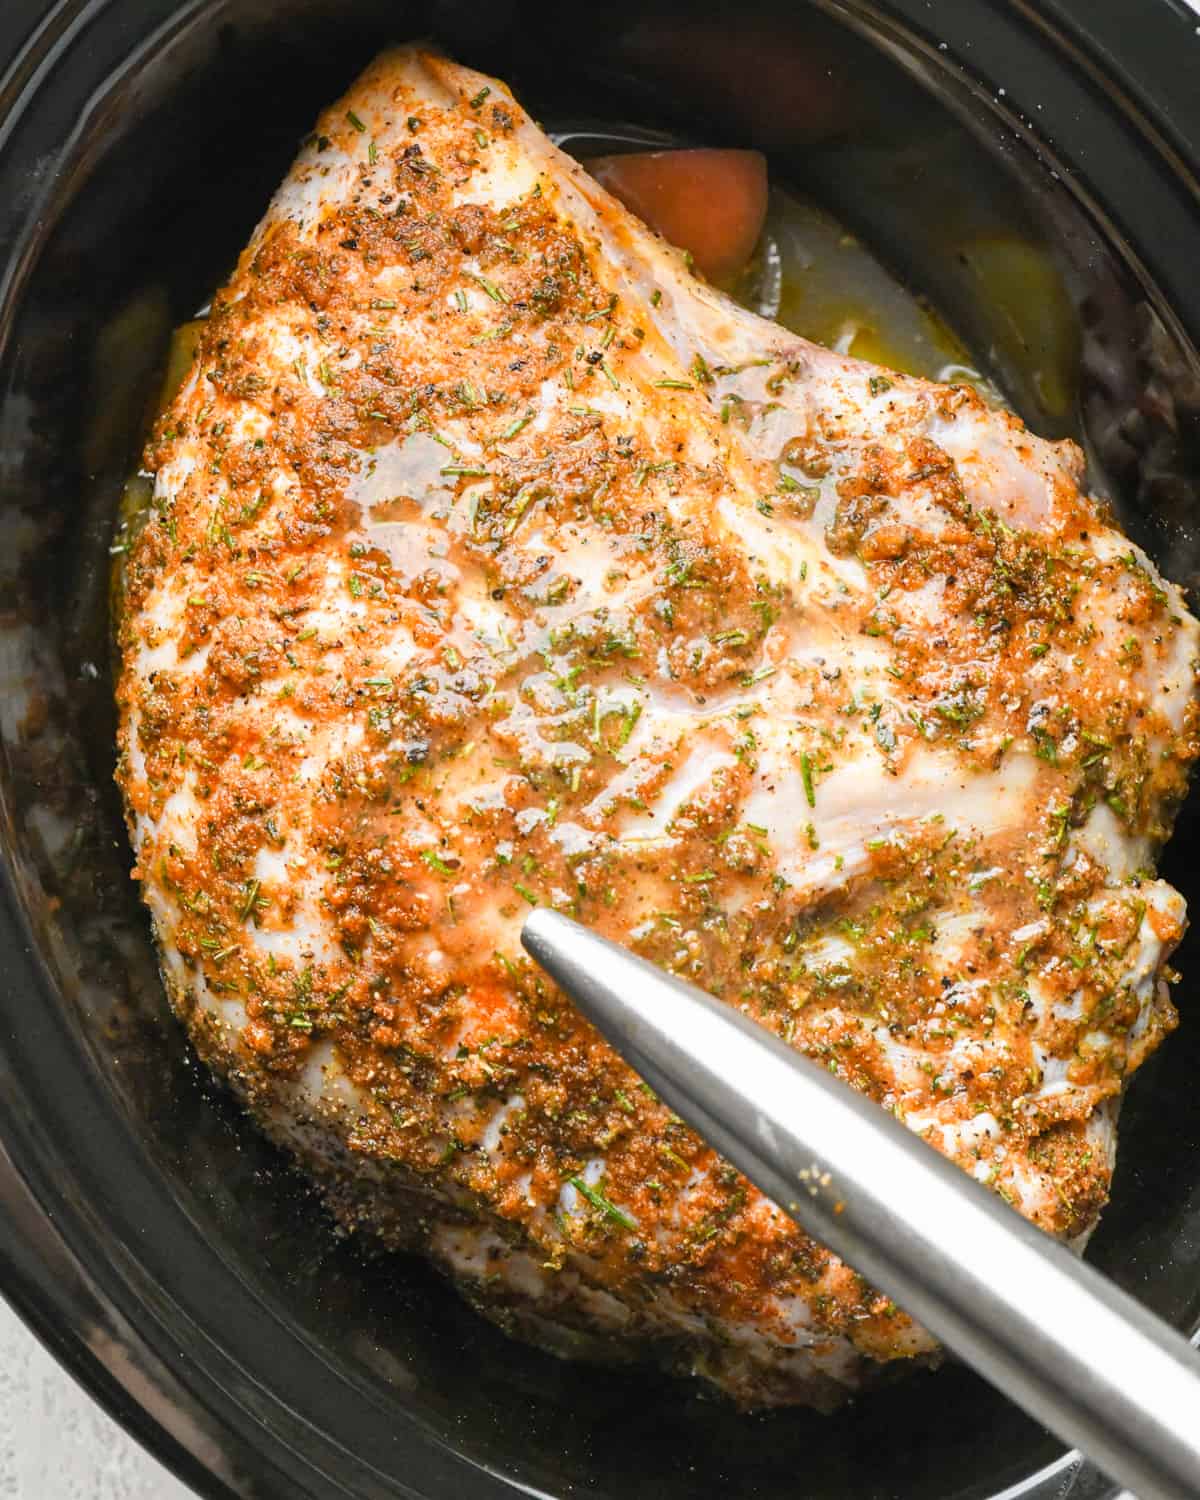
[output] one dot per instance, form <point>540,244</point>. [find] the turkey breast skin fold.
<point>496,560</point>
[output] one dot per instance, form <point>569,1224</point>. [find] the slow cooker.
<point>158,1245</point>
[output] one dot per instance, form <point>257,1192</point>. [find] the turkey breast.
<point>496,560</point>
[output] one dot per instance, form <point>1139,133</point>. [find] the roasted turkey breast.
<point>496,560</point>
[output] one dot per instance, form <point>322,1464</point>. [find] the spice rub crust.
<point>496,561</point>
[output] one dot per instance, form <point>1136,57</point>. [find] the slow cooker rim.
<point>1051,73</point>
<point>41,1228</point>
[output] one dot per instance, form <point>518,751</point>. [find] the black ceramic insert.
<point>166,1253</point>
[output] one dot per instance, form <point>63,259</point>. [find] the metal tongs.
<point>1053,1334</point>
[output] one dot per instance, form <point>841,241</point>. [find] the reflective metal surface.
<point>1046,1329</point>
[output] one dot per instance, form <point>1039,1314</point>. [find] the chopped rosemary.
<point>492,334</point>
<point>514,427</point>
<point>249,901</point>
<point>496,293</point>
<point>605,1204</point>
<point>806,776</point>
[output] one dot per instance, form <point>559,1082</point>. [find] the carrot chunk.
<point>707,201</point>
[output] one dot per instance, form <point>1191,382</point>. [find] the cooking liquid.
<point>815,278</point>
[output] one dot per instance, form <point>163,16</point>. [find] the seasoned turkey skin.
<point>495,560</point>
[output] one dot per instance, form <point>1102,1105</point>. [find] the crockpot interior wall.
<point>167,172</point>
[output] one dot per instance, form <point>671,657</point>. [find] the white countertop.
<point>55,1442</point>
